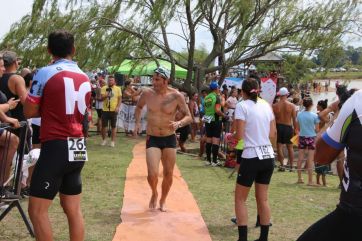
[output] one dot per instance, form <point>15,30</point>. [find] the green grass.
<point>103,184</point>
<point>339,75</point>
<point>294,207</point>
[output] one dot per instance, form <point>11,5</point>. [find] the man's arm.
<point>294,119</point>
<point>240,129</point>
<point>31,110</point>
<point>19,88</point>
<point>140,104</point>
<point>184,110</point>
<point>325,153</point>
<point>6,119</point>
<point>119,100</point>
<point>273,130</point>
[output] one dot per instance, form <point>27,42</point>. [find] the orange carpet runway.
<point>181,222</point>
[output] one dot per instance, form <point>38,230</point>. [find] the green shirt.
<point>210,101</point>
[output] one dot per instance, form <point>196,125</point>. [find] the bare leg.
<point>114,132</point>
<point>299,165</point>
<point>261,194</point>
<point>324,180</point>
<point>10,142</point>
<point>71,207</point>
<point>280,154</point>
<point>168,161</point>
<point>241,194</point>
<point>153,156</point>
<point>38,212</point>
<point>290,155</point>
<point>310,166</point>
<point>202,146</point>
<point>104,132</point>
<point>318,178</point>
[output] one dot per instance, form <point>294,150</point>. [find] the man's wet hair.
<point>60,43</point>
<point>251,88</point>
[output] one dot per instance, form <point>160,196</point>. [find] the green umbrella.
<point>142,68</point>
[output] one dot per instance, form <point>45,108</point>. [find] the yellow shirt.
<point>111,101</point>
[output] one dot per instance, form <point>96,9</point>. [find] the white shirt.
<point>257,117</point>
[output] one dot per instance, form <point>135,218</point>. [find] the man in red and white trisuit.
<point>60,95</point>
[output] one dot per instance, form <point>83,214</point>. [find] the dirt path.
<point>182,221</point>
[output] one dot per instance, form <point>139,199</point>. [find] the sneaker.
<point>233,220</point>
<point>104,142</point>
<point>207,163</point>
<point>25,192</point>
<point>216,164</point>
<point>6,195</point>
<point>112,144</point>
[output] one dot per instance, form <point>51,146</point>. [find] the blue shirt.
<point>307,121</point>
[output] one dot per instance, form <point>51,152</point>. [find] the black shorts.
<point>184,133</point>
<point>1,131</point>
<point>284,134</point>
<point>109,116</point>
<point>238,156</point>
<point>99,113</point>
<point>35,138</point>
<point>213,129</point>
<point>253,169</point>
<point>338,225</point>
<point>54,173</point>
<point>161,141</point>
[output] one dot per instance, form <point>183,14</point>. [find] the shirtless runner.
<point>162,104</point>
<point>285,116</point>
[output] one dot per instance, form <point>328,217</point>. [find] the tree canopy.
<point>241,30</point>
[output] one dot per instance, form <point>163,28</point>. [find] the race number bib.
<point>207,118</point>
<point>264,152</point>
<point>77,150</point>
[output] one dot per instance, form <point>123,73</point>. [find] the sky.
<point>13,10</point>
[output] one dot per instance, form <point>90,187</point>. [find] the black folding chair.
<point>15,186</point>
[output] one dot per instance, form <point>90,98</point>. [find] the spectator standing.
<point>308,126</point>
<point>195,114</point>
<point>285,117</point>
<point>321,170</point>
<point>99,100</point>
<point>255,124</point>
<point>213,123</point>
<point>111,95</point>
<point>60,94</point>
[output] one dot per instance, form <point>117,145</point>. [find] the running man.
<point>60,95</point>
<point>162,104</point>
<point>285,115</point>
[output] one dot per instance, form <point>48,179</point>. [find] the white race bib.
<point>77,150</point>
<point>264,152</point>
<point>207,118</point>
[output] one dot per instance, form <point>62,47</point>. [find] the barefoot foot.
<point>163,207</point>
<point>153,201</point>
